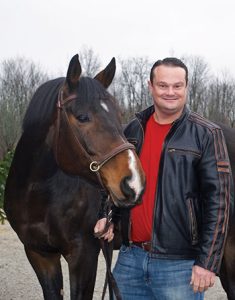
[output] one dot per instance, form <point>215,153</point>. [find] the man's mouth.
<point>170,99</point>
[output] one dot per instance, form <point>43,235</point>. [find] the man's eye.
<point>163,86</point>
<point>83,118</point>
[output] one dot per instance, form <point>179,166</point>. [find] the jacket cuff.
<point>212,267</point>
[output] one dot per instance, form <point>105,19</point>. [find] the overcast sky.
<point>50,32</point>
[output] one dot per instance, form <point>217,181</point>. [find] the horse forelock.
<point>92,96</point>
<point>90,92</point>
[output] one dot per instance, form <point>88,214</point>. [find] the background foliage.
<point>4,169</point>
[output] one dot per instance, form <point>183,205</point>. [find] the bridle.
<point>95,162</point>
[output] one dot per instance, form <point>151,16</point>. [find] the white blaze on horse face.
<point>135,180</point>
<point>105,107</point>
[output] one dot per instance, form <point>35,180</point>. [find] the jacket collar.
<point>145,114</point>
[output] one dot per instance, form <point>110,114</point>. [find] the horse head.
<point>89,140</point>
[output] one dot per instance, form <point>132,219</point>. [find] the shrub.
<point>4,169</point>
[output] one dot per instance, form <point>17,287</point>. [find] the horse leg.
<point>227,273</point>
<point>82,263</point>
<point>48,270</point>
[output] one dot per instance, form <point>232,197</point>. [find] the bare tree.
<point>199,75</point>
<point>133,82</point>
<point>117,91</point>
<point>221,98</point>
<point>90,62</point>
<point>213,97</point>
<point>19,79</point>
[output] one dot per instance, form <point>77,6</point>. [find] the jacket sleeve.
<point>216,194</point>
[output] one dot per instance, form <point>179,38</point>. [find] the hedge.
<point>4,169</point>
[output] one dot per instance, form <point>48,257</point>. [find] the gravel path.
<point>18,280</point>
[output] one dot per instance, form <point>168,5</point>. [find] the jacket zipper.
<point>193,222</point>
<point>171,150</point>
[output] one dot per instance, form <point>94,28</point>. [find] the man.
<point>177,234</point>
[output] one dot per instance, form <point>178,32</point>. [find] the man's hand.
<point>201,279</point>
<point>100,227</point>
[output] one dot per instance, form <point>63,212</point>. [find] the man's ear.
<point>150,86</point>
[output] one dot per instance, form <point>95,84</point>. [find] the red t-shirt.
<point>142,215</point>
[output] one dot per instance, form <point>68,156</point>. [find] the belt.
<point>144,245</point>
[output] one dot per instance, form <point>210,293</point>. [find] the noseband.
<point>95,164</point>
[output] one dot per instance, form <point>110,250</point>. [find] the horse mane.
<point>41,107</point>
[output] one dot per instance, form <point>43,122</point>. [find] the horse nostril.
<point>127,190</point>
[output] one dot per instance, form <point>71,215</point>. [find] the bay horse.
<point>227,274</point>
<point>72,145</point>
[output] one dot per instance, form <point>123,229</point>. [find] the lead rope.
<point>107,249</point>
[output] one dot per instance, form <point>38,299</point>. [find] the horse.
<point>72,146</point>
<point>227,273</point>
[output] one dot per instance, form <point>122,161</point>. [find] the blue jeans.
<point>139,276</point>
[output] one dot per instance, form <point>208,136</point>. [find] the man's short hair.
<point>169,61</point>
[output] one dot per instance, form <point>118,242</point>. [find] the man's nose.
<point>170,90</point>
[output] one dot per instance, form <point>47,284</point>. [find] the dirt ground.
<point>18,280</point>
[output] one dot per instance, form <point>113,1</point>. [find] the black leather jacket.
<point>193,191</point>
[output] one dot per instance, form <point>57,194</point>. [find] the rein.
<point>107,249</point>
<point>94,164</point>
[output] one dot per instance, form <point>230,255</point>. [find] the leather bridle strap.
<point>96,165</point>
<point>61,102</point>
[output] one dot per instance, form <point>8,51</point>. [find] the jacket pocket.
<point>192,222</point>
<point>184,151</point>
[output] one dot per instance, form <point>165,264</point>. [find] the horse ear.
<point>74,72</point>
<point>106,76</point>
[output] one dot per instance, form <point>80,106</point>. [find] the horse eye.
<point>83,118</point>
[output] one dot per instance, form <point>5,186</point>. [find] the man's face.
<point>169,90</point>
